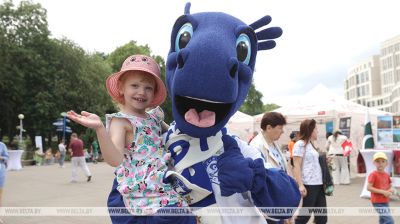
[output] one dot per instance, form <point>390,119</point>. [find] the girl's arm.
<point>111,144</point>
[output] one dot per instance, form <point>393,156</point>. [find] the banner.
<point>38,143</point>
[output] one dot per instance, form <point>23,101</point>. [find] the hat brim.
<point>160,93</point>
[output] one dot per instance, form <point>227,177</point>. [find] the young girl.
<point>132,143</point>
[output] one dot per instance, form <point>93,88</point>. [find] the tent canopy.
<point>241,125</point>
<point>321,101</point>
<point>323,105</point>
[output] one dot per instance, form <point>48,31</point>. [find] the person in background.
<point>3,167</point>
<point>328,134</point>
<point>293,139</point>
<point>255,133</point>
<point>379,184</point>
<point>307,172</point>
<point>78,158</point>
<point>340,172</point>
<point>62,148</point>
<point>48,157</point>
<point>272,124</point>
<point>95,151</point>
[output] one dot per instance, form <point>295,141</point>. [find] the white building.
<point>375,82</point>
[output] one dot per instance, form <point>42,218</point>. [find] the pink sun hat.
<point>138,63</point>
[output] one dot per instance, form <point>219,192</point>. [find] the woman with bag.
<point>308,174</point>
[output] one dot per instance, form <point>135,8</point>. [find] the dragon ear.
<point>187,8</point>
<point>264,36</point>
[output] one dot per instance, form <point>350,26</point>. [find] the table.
<point>368,154</point>
<point>14,160</point>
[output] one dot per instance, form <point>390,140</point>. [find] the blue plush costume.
<point>208,74</point>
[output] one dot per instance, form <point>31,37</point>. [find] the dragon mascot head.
<point>210,68</point>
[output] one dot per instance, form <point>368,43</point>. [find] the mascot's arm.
<point>268,187</point>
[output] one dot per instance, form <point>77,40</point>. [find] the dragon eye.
<point>243,48</point>
<point>183,37</point>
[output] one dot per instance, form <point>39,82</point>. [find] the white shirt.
<point>311,173</point>
<point>335,146</point>
<point>62,148</point>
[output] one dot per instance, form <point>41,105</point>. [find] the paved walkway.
<point>49,186</point>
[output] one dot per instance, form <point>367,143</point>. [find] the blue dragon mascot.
<point>209,71</point>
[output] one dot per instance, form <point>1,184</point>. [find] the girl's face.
<point>138,90</point>
<point>275,133</point>
<point>314,134</point>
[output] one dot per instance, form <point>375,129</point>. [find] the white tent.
<point>323,105</point>
<point>241,125</point>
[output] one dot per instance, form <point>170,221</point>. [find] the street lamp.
<point>21,128</point>
<point>64,115</point>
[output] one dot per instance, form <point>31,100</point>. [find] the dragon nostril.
<point>233,70</point>
<point>180,61</point>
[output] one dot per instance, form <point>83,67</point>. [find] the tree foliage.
<point>253,104</point>
<point>270,107</point>
<point>41,77</point>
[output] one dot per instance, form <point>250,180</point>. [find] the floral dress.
<point>140,176</point>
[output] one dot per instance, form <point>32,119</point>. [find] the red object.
<point>396,161</point>
<point>321,112</point>
<point>361,164</point>
<point>379,180</point>
<point>77,148</point>
<point>347,147</point>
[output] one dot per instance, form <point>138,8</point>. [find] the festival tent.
<point>241,125</point>
<point>324,106</point>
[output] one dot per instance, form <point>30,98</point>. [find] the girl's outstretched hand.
<point>86,119</point>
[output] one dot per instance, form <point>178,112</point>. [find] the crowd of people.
<point>317,169</point>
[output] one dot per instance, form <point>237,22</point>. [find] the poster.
<point>329,127</point>
<point>388,131</point>
<point>344,126</point>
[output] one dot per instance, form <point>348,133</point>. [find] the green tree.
<point>79,81</point>
<point>23,33</point>
<point>253,104</point>
<point>270,107</point>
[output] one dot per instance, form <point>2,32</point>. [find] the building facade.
<point>375,82</point>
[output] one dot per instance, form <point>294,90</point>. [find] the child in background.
<point>132,142</point>
<point>379,184</point>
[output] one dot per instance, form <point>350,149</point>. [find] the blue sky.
<point>321,39</point>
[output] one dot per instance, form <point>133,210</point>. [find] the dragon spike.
<point>261,22</point>
<point>266,45</point>
<point>187,8</point>
<point>269,33</point>
<point>264,38</point>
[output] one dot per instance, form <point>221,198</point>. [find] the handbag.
<point>328,185</point>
